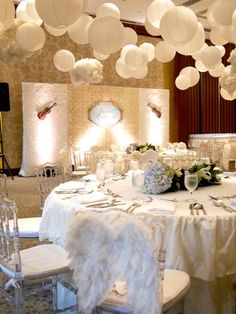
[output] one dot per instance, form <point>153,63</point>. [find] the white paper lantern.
<point>216,38</point>
<point>140,73</point>
<point>26,12</point>
<point>135,58</point>
<point>197,55</point>
<point>182,82</point>
<point>100,56</point>
<point>64,60</point>
<point>227,32</point>
<point>7,14</point>
<point>55,31</point>
<point>157,9</point>
<point>222,50</point>
<point>149,49</point>
<point>195,44</point>
<point>224,94</point>
<point>178,25</point>
<point>217,71</point>
<point>164,52</point>
<point>222,11</point>
<point>210,57</point>
<point>200,66</point>
<point>121,69</point>
<point>192,73</point>
<point>59,14</point>
<point>108,9</point>
<point>151,29</point>
<point>124,50</point>
<point>106,35</point>
<point>78,32</point>
<point>130,37</point>
<point>210,17</point>
<point>30,37</point>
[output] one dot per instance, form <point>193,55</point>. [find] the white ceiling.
<point>135,10</point>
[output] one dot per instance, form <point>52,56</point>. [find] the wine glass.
<point>137,182</point>
<point>100,174</point>
<point>190,181</point>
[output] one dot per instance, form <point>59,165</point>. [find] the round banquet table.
<point>202,245</point>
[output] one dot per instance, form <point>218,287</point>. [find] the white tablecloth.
<point>203,246</point>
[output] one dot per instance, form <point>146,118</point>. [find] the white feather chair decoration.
<point>115,247</point>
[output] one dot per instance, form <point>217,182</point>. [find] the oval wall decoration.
<point>105,114</point>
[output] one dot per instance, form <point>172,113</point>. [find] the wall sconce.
<point>105,114</point>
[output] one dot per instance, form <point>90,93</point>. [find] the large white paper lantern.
<point>192,73</point>
<point>178,25</point>
<point>157,9</point>
<point>30,37</point>
<point>64,60</point>
<point>182,82</point>
<point>222,11</point>
<point>149,49</point>
<point>210,18</point>
<point>100,56</point>
<point>130,37</point>
<point>164,52</point>
<point>195,44</point>
<point>121,69</point>
<point>7,13</point>
<point>78,32</point>
<point>59,13</point>
<point>227,32</point>
<point>108,9</point>
<point>106,35</point>
<point>210,57</point>
<point>151,29</point>
<point>216,38</point>
<point>55,31</point>
<point>135,58</point>
<point>26,12</point>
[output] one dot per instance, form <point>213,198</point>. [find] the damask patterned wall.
<point>40,68</point>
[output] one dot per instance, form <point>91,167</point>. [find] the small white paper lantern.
<point>164,52</point>
<point>55,31</point>
<point>130,37</point>
<point>135,58</point>
<point>64,60</point>
<point>100,56</point>
<point>224,94</point>
<point>30,37</point>
<point>200,66</point>
<point>157,9</point>
<point>108,9</point>
<point>121,69</point>
<point>140,73</point>
<point>149,49</point>
<point>197,55</point>
<point>151,29</point>
<point>195,44</point>
<point>106,35</point>
<point>216,38</point>
<point>192,73</point>
<point>210,57</point>
<point>222,50</point>
<point>182,82</point>
<point>217,71</point>
<point>78,32</point>
<point>7,14</point>
<point>59,14</point>
<point>178,25</point>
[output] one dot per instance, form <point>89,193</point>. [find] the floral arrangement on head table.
<point>162,178</point>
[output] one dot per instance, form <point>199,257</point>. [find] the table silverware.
<point>220,203</point>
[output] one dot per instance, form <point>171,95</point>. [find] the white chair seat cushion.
<point>28,227</point>
<point>41,261</point>
<point>175,285</point>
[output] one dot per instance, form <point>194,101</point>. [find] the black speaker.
<point>4,97</point>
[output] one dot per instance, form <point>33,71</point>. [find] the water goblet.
<point>137,182</point>
<point>100,174</point>
<point>190,181</point>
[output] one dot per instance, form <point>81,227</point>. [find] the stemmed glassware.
<point>101,174</point>
<point>137,182</point>
<point>190,181</point>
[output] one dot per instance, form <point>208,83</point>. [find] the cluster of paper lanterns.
<point>178,26</point>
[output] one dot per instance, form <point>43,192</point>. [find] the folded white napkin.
<point>164,207</point>
<point>89,198</point>
<point>70,185</point>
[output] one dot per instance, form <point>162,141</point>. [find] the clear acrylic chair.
<point>174,284</point>
<point>49,175</point>
<point>42,263</point>
<point>3,186</point>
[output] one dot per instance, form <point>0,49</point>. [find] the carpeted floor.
<point>24,191</point>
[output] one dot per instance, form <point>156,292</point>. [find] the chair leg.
<point>54,295</point>
<point>17,301</point>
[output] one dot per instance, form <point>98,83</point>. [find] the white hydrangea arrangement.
<point>157,179</point>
